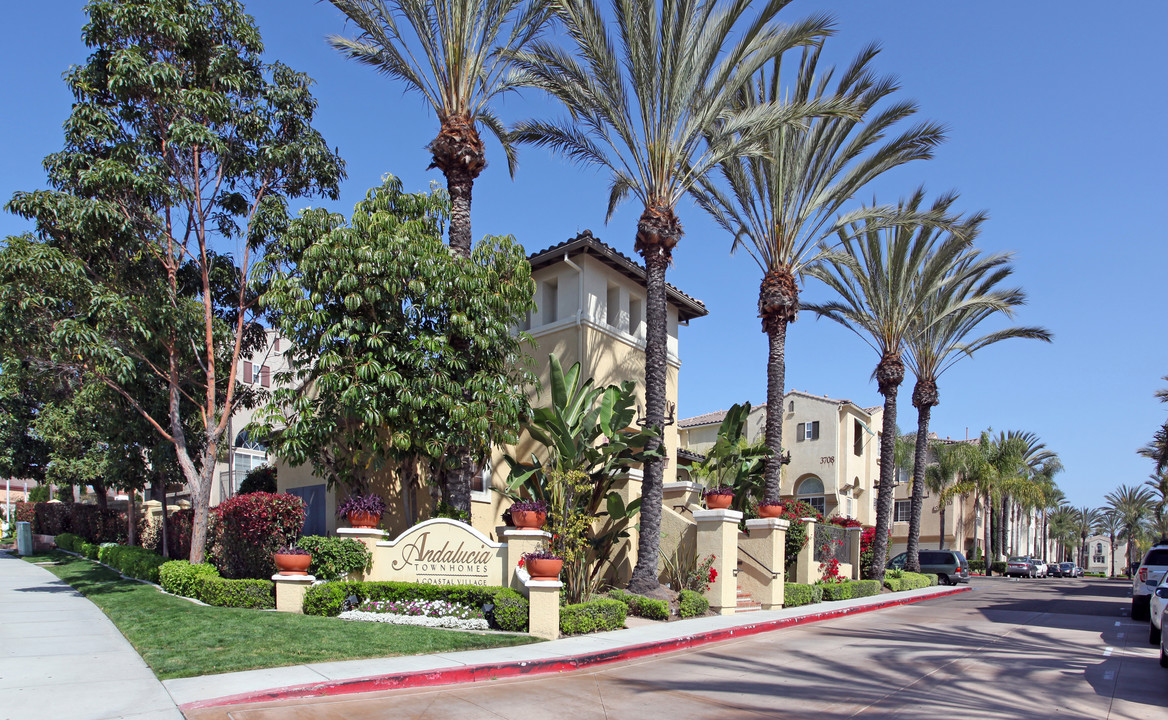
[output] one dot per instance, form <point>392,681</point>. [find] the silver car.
<point>1156,603</point>
<point>1146,578</point>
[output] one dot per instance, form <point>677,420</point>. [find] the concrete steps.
<point>746,603</point>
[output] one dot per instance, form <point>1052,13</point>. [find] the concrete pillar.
<point>718,536</point>
<point>369,537</point>
<point>543,618</point>
<point>290,591</point>
<point>767,544</point>
<point>520,541</point>
<point>806,569</point>
<point>854,550</point>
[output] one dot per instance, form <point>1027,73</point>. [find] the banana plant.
<point>734,461</point>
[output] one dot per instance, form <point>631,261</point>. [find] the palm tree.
<point>651,104</point>
<point>1062,529</point>
<point>782,204</point>
<point>1030,456</point>
<point>883,278</point>
<point>455,53</point>
<point>1110,523</point>
<point>1049,497</point>
<point>1133,504</point>
<point>939,342</point>
<point>1085,520</point>
<point>952,461</point>
<point>1157,450</point>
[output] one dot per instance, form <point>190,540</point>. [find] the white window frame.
<point>807,431</point>
<point>483,495</point>
<point>906,506</point>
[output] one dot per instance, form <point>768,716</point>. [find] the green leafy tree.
<point>939,341</point>
<point>400,351</point>
<point>181,142</point>
<point>782,204</point>
<point>951,463</point>
<point>650,103</point>
<point>24,453</point>
<point>883,277</point>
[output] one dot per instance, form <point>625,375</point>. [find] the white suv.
<point>1145,580</point>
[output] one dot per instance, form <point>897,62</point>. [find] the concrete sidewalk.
<point>355,676</point>
<point>62,658</point>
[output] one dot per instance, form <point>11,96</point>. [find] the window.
<point>811,491</point>
<point>551,289</point>
<point>858,438</point>
<point>265,376</point>
<point>636,316</point>
<point>807,431</point>
<point>247,378</point>
<point>1098,548</point>
<point>791,406</point>
<point>480,485</point>
<point>276,344</point>
<point>248,454</point>
<point>612,312</point>
<point>902,511</point>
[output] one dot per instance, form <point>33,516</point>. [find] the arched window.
<point>810,491</point>
<point>248,453</point>
<point>1099,548</point>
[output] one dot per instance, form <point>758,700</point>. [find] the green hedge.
<point>593,616</point>
<point>68,541</point>
<point>850,589</point>
<point>978,566</point>
<point>796,594</point>
<point>333,558</point>
<point>909,581</point>
<point>691,604</point>
<point>641,606</point>
<point>511,608</point>
<point>221,592</point>
<point>178,576</point>
<point>511,611</point>
<point>131,560</point>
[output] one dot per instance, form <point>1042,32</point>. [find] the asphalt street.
<point>1010,649</point>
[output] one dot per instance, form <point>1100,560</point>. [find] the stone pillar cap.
<point>306,579</point>
<point>717,515</point>
<point>768,524</point>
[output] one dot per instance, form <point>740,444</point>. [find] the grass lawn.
<point>180,639</point>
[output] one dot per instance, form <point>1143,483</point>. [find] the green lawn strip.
<point>177,638</point>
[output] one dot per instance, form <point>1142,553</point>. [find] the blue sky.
<point>1055,114</point>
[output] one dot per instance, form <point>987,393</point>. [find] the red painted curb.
<point>490,671</point>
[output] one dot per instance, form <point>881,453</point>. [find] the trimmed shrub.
<point>796,594</point>
<point>25,512</point>
<point>641,606</point>
<point>333,558</point>
<point>593,616</point>
<point>691,604</point>
<point>222,592</point>
<point>259,479</point>
<point>131,560</point>
<point>327,598</point>
<point>178,534</point>
<point>68,541</point>
<point>251,528</point>
<point>89,522</point>
<point>850,589</point>
<point>511,611</point>
<point>178,576</point>
<point>909,581</point>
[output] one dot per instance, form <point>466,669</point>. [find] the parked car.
<point>1055,570</point>
<point>1069,569</point>
<point>1041,569</point>
<point>1156,603</point>
<point>949,566</point>
<point>1152,570</point>
<point>1021,566</point>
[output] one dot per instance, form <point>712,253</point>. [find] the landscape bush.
<point>909,581</point>
<point>131,560</point>
<point>259,479</point>
<point>68,541</point>
<point>89,522</point>
<point>641,606</point>
<point>179,577</point>
<point>691,604</point>
<point>328,598</point>
<point>850,589</point>
<point>978,566</point>
<point>796,594</point>
<point>249,530</point>
<point>224,592</point>
<point>511,611</point>
<point>596,615</point>
<point>178,534</point>
<point>333,558</point>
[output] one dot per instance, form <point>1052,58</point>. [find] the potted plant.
<point>529,513</point>
<point>543,565</point>
<point>363,510</point>
<point>719,497</point>
<point>292,560</point>
<point>770,509</point>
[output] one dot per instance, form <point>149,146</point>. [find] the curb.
<point>491,671</point>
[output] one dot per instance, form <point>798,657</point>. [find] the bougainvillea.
<point>867,538</point>
<point>250,528</point>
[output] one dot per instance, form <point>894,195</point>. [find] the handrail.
<point>774,575</point>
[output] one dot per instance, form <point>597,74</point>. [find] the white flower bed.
<point>421,620</point>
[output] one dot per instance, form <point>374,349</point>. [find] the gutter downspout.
<point>579,307</point>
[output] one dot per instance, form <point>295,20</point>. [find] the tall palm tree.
<point>456,54</point>
<point>1030,455</point>
<point>651,104</point>
<point>1062,529</point>
<point>782,204</point>
<point>952,461</point>
<point>1110,523</point>
<point>1157,450</point>
<point>882,278</point>
<point>1085,520</point>
<point>1049,496</point>
<point>941,341</point>
<point>1133,504</point>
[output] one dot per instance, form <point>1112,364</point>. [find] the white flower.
<point>445,621</point>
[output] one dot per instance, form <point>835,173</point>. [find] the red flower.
<point>522,562</point>
<point>713,574</point>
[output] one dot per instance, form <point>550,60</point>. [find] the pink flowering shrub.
<point>250,528</point>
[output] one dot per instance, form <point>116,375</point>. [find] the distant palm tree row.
<point>688,97</point>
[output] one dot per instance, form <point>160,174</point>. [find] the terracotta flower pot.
<point>544,568</point>
<point>719,502</point>
<point>292,564</point>
<point>364,519</point>
<point>770,511</point>
<point>528,518</point>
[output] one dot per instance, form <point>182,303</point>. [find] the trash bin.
<point>24,538</point>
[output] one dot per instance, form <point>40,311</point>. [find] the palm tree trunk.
<point>889,376</point>
<point>644,576</point>
<point>941,535</point>
<point>460,186</point>
<point>776,379</point>
<point>924,398</point>
<point>987,530</point>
